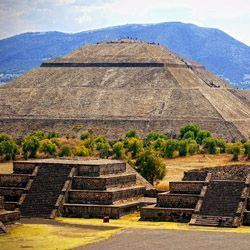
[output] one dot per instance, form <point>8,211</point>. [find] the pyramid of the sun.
<point>115,86</point>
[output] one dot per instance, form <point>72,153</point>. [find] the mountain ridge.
<point>217,51</point>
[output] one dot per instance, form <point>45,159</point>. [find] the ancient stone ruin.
<point>209,197</point>
<point>94,188</point>
<point>112,87</point>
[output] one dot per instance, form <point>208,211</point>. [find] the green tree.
<point>48,147</point>
<point>85,135</point>
<point>134,145</point>
<point>8,147</point>
<point>65,150</point>
<point>247,149</point>
<point>189,135</point>
<point>131,134</point>
<point>150,166</point>
<point>169,147</point>
<point>81,150</point>
<point>118,150</point>
<point>202,134</point>
<point>235,149</point>
<point>153,136</point>
<point>52,134</point>
<point>183,147</point>
<point>39,135</point>
<point>210,144</point>
<point>190,127</point>
<point>30,147</point>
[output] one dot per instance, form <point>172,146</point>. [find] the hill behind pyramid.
<point>115,86</point>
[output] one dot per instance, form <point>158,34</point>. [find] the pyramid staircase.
<point>176,205</point>
<point>50,188</point>
<point>223,204</point>
<point>99,190</point>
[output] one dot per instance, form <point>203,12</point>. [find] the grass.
<point>51,237</point>
<point>133,221</point>
<point>177,166</point>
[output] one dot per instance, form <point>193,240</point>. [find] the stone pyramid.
<point>115,86</point>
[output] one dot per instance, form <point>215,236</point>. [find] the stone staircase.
<point>176,205</point>
<point>47,185</point>
<point>223,204</point>
<point>103,188</point>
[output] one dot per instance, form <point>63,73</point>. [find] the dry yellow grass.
<point>177,166</point>
<point>50,237</point>
<point>6,167</point>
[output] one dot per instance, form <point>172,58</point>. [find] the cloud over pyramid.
<point>116,86</point>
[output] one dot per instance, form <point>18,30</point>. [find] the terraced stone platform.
<point>93,188</point>
<point>209,197</point>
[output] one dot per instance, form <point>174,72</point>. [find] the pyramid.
<point>115,86</point>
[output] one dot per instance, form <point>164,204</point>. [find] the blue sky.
<point>18,16</point>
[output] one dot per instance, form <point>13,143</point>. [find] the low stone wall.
<point>232,172</point>
<point>97,170</point>
<point>91,211</point>
<point>163,214</point>
<point>8,217</point>
<point>23,168</point>
<point>95,183</point>
<point>187,187</point>
<point>11,194</point>
<point>13,180</point>
<point>1,202</point>
<point>246,218</point>
<point>102,197</point>
<point>177,200</point>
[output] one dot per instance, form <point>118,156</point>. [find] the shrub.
<point>65,150</point>
<point>118,150</point>
<point>30,147</point>
<point>134,145</point>
<point>89,144</point>
<point>157,144</point>
<point>153,136</point>
<point>212,145</point>
<point>150,166</point>
<point>193,147</point>
<point>247,149</point>
<point>85,135</point>
<point>169,147</point>
<point>81,150</point>
<point>8,147</point>
<point>202,134</point>
<point>190,127</point>
<point>183,147</point>
<point>235,149</point>
<point>39,135</point>
<point>131,134</point>
<point>52,134</point>
<point>101,142</point>
<point>48,147</point>
<point>105,150</point>
<point>189,135</point>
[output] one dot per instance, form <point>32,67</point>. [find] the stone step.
<point>186,187</point>
<point>107,197</point>
<point>103,182</point>
<point>14,180</point>
<point>171,200</point>
<point>216,221</point>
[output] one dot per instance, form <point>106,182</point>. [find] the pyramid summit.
<point>115,86</point>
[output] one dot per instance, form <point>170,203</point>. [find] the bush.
<point>48,147</point>
<point>157,144</point>
<point>202,134</point>
<point>235,149</point>
<point>118,150</point>
<point>65,150</point>
<point>101,142</point>
<point>193,147</point>
<point>39,135</point>
<point>190,127</point>
<point>8,147</point>
<point>169,147</point>
<point>30,147</point>
<point>89,144</point>
<point>134,145</point>
<point>150,166</point>
<point>52,134</point>
<point>81,150</point>
<point>85,135</point>
<point>247,149</point>
<point>131,134</point>
<point>212,145</point>
<point>153,136</point>
<point>189,135</point>
<point>183,147</point>
<point>105,150</point>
